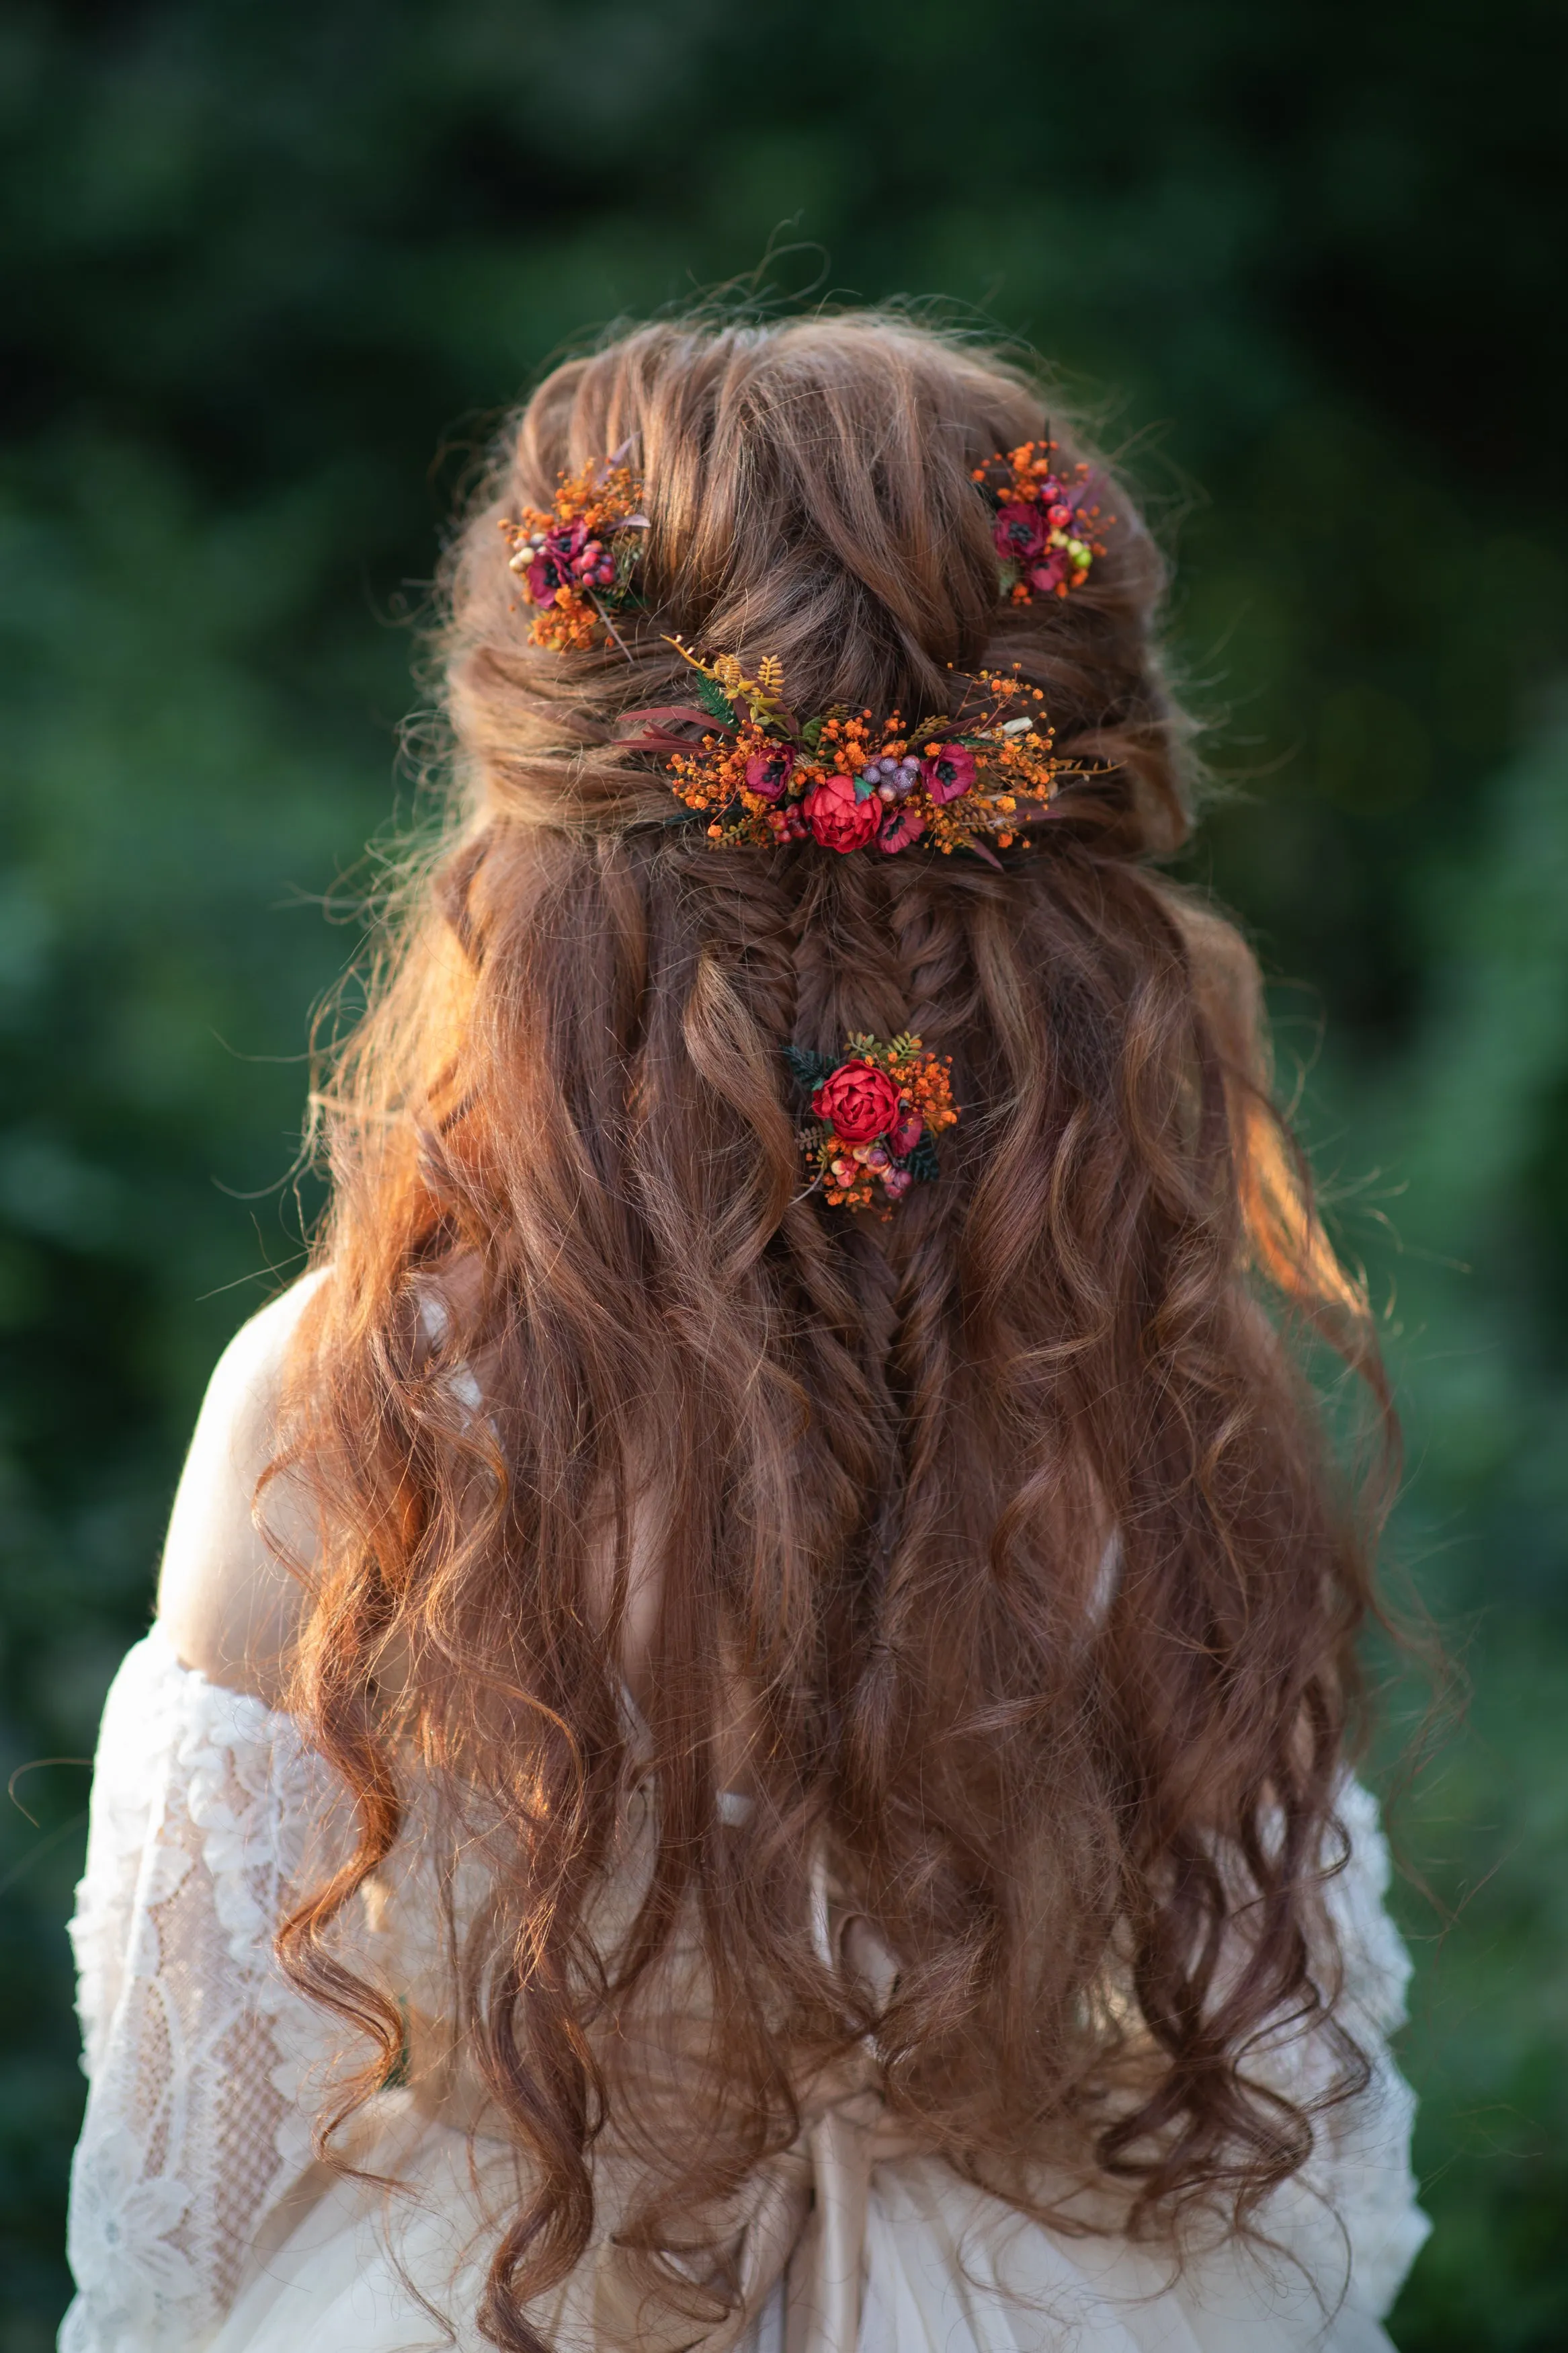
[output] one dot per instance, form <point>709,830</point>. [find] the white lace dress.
<point>199,2225</point>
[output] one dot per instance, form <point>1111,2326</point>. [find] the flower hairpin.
<point>575,563</point>
<point>1046,525</point>
<point>876,1115</point>
<point>848,780</point>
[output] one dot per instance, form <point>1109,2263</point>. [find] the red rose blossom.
<point>838,820</point>
<point>767,773</point>
<point>951,772</point>
<point>858,1102</point>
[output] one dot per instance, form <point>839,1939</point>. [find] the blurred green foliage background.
<point>272,268</point>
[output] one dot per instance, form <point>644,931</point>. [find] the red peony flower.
<point>950,773</point>
<point>904,1136</point>
<point>838,820</point>
<point>767,773</point>
<point>858,1102</point>
<point>1020,532</point>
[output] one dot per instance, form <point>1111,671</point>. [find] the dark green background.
<point>269,271</point>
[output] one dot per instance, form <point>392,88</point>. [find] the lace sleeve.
<point>1361,2191</point>
<point>195,2046</point>
<point>1364,2146</point>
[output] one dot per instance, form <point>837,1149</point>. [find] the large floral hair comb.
<point>575,565</point>
<point>1046,525</point>
<point>848,780</point>
<point>876,1115</point>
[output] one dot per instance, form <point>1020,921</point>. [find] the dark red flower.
<point>1043,578</point>
<point>767,773</point>
<point>903,1138</point>
<point>950,773</point>
<point>900,827</point>
<point>1020,532</point>
<point>540,580</point>
<point>858,1102</point>
<point>554,566</point>
<point>838,820</point>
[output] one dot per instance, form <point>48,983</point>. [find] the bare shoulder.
<point>225,1599</point>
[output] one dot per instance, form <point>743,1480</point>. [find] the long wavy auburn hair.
<point>1008,1532</point>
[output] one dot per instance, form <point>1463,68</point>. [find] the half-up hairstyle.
<point>1006,1532</point>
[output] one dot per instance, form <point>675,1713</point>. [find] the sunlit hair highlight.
<point>877,1476</point>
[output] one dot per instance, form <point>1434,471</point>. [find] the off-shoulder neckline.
<point>160,1643</point>
<point>733,1805</point>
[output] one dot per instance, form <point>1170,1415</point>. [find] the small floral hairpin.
<point>1045,527</point>
<point>848,780</point>
<point>575,563</point>
<point>877,1114</point>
